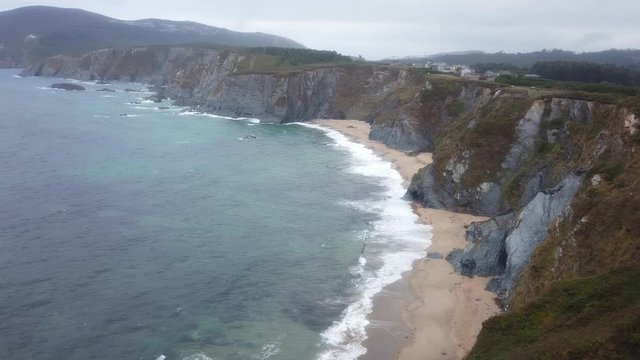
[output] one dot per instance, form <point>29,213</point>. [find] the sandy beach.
<point>442,310</point>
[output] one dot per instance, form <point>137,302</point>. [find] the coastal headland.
<point>552,175</point>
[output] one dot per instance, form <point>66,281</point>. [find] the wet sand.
<point>434,313</point>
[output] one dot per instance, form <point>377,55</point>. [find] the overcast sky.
<point>385,28</point>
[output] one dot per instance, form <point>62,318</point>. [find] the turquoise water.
<point>133,231</point>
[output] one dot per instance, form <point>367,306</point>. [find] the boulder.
<point>485,253</point>
<point>425,189</point>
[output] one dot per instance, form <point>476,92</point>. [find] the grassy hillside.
<point>286,60</point>
<point>594,317</point>
<point>574,86</point>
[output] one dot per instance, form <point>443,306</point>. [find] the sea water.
<point>136,230</point>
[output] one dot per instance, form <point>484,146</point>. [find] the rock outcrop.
<point>523,167</point>
<point>486,175</point>
<point>67,86</point>
<point>485,253</point>
<point>531,227</point>
<point>503,245</point>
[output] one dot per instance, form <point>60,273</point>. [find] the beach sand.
<point>441,311</point>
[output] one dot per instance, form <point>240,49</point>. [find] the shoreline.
<point>433,312</point>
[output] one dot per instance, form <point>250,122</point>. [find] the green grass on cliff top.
<point>583,318</point>
<point>284,60</point>
<point>541,88</point>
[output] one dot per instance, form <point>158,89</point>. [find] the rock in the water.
<point>67,86</point>
<point>155,98</point>
<point>106,90</point>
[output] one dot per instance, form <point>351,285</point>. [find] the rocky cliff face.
<point>578,294</point>
<point>560,179</point>
<point>523,169</point>
<point>221,82</point>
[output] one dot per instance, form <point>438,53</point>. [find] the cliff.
<point>557,173</point>
<point>242,84</point>
<point>559,177</point>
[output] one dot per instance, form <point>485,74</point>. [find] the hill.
<point>30,34</point>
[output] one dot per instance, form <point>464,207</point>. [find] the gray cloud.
<point>377,28</point>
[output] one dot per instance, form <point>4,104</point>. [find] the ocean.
<point>138,230</point>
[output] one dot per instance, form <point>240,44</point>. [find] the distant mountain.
<point>626,58</point>
<point>33,33</point>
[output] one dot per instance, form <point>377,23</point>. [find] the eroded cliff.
<point>560,179</point>
<point>227,83</point>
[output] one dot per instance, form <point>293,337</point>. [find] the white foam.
<point>195,113</point>
<point>88,83</point>
<point>251,120</point>
<point>395,241</point>
<point>268,350</point>
<point>198,356</point>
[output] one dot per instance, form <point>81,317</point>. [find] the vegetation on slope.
<point>286,60</point>
<point>577,89</point>
<point>594,317</point>
<point>487,132</point>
